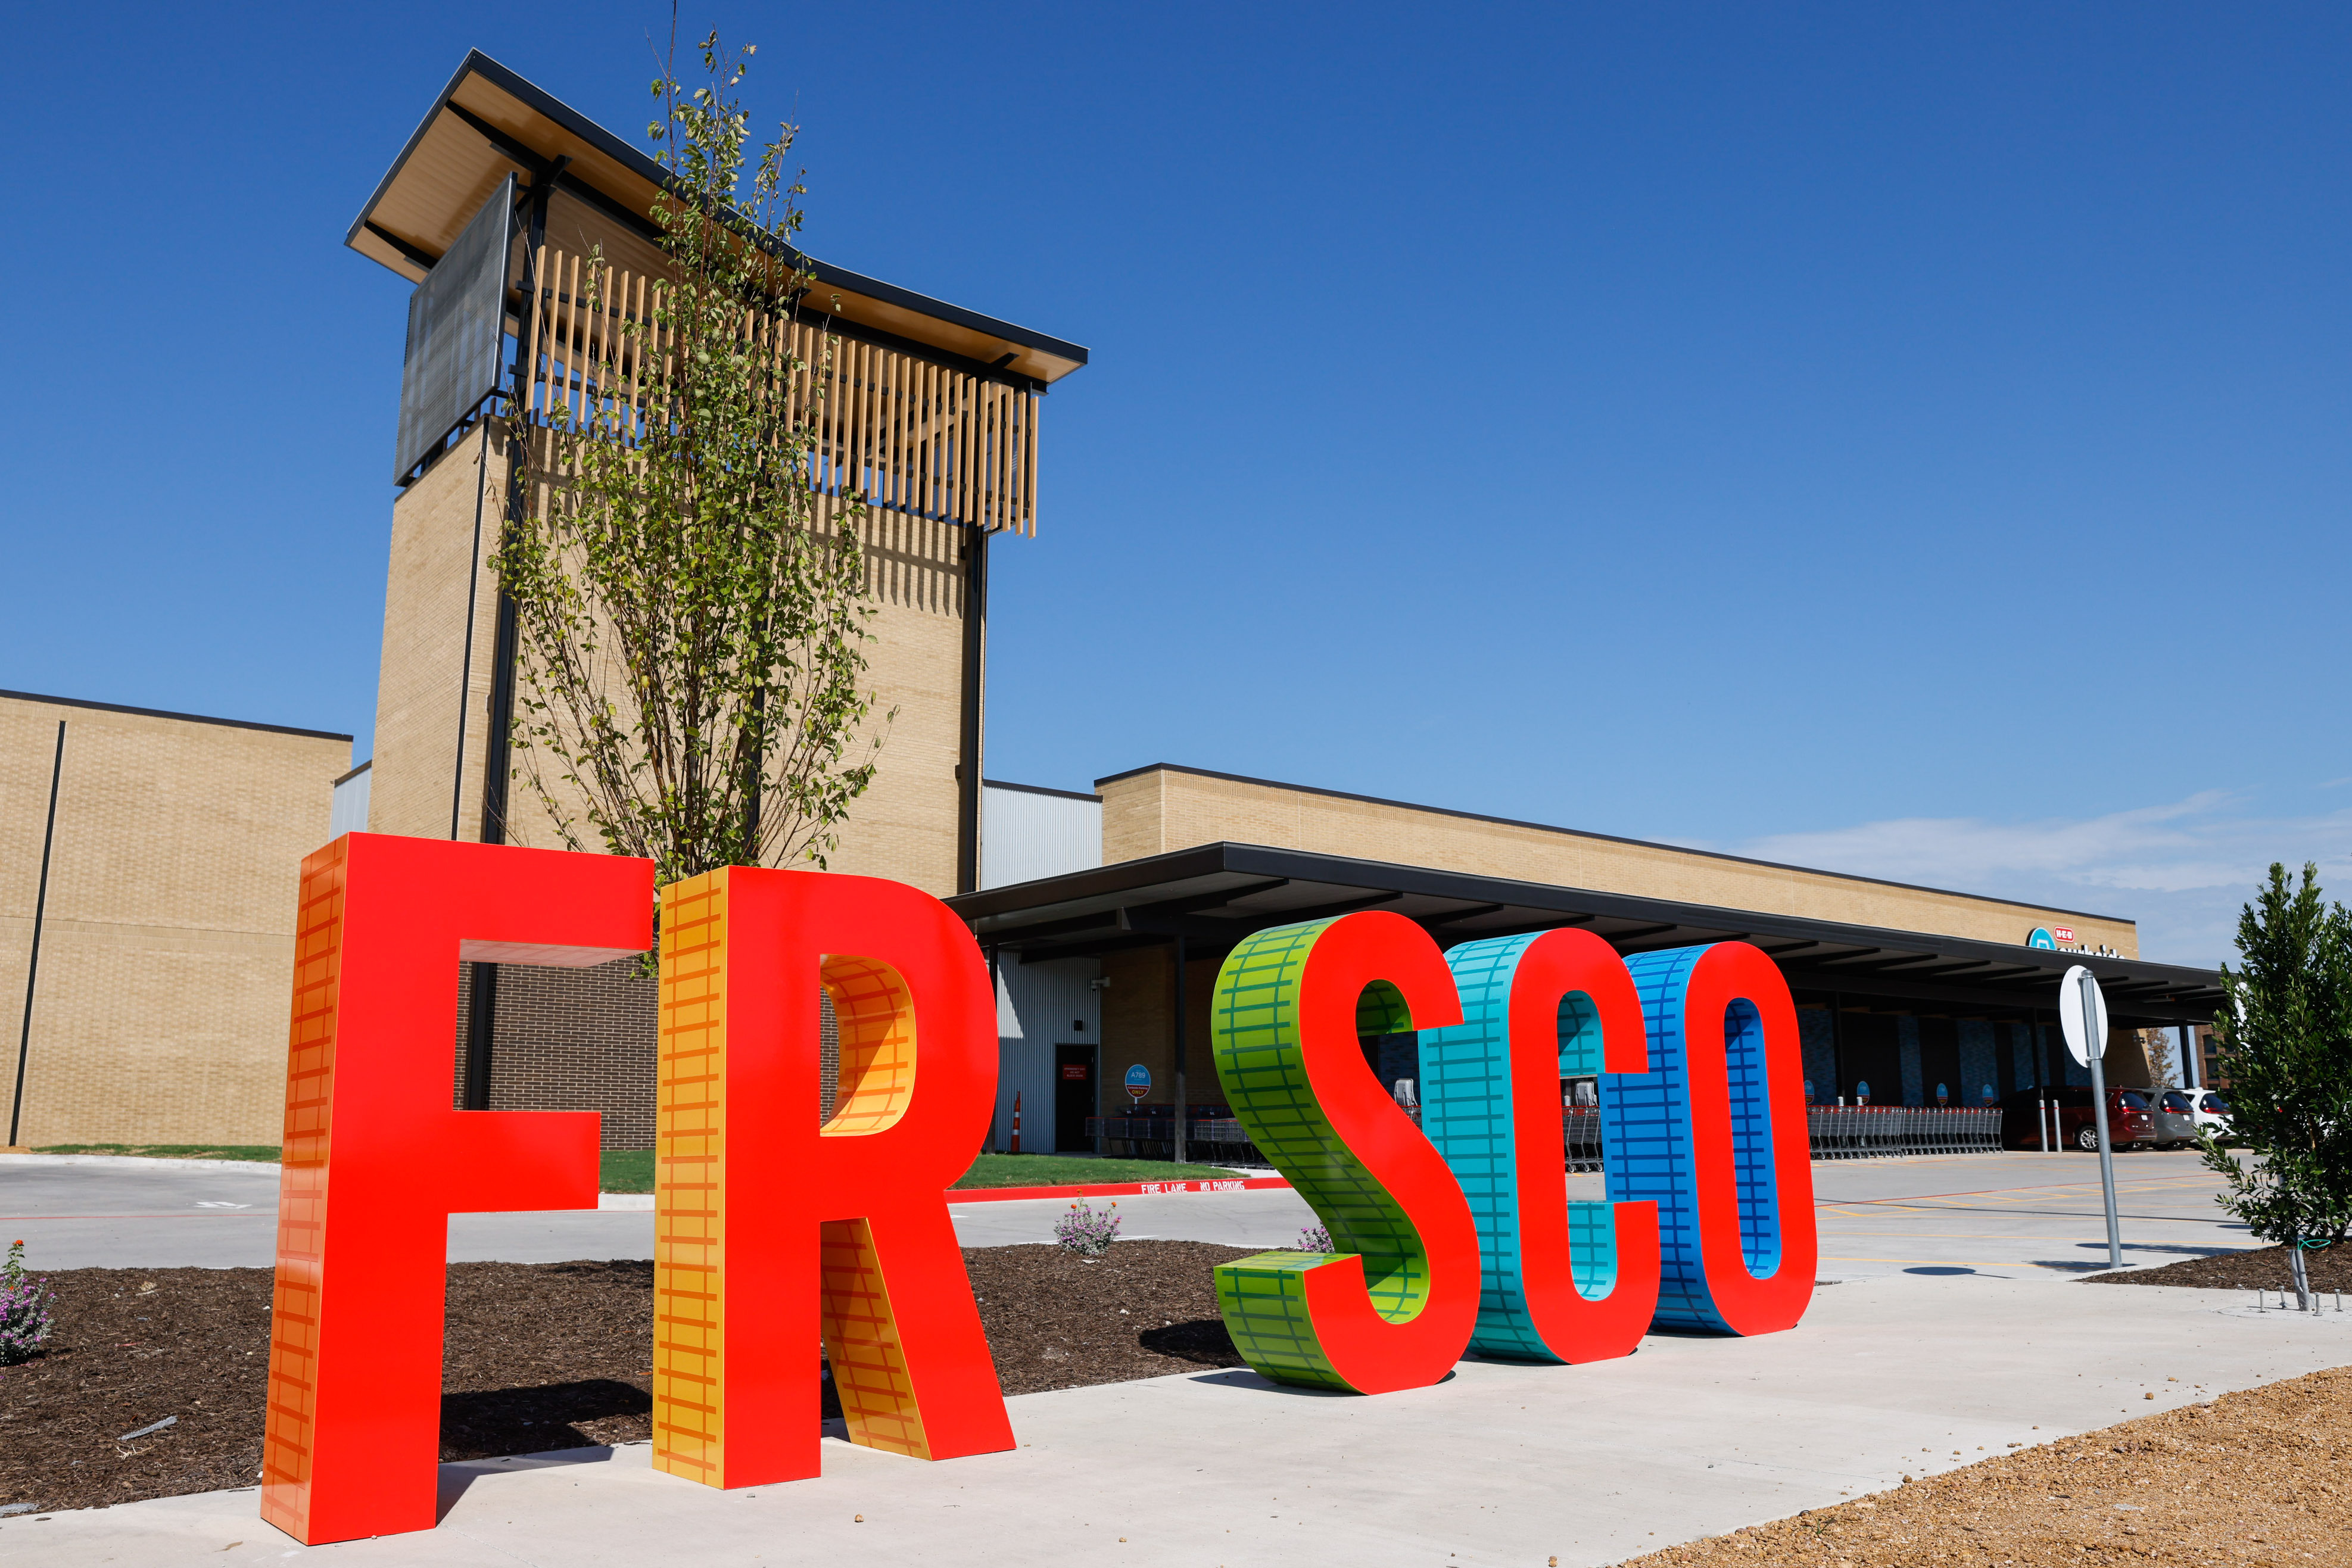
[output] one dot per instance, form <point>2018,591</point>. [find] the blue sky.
<point>1906,439</point>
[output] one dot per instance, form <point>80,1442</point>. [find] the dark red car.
<point>2130,1124</point>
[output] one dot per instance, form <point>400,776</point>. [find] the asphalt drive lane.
<point>2007,1214</point>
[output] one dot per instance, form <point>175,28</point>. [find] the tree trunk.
<point>2302,1276</point>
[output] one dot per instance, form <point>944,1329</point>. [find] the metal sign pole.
<point>2096,1044</point>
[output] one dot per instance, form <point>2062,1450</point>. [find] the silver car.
<point>2174,1110</point>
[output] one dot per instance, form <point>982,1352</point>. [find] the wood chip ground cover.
<point>538,1356</point>
<point>2329,1269</point>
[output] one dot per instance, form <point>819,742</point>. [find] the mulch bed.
<point>2252,1478</point>
<point>538,1356</point>
<point>2328,1268</point>
<point>1147,1308</point>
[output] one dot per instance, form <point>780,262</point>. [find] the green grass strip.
<point>1060,1170</point>
<point>626,1170</point>
<point>632,1170</point>
<point>266,1153</point>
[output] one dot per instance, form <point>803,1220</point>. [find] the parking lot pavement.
<point>168,1213</point>
<point>107,1214</point>
<point>1500,1464</point>
<point>2014,1216</point>
<point>2009,1215</point>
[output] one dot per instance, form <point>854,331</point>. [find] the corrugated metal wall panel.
<point>1024,836</point>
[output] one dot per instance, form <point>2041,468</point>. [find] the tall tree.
<point>2285,1033</point>
<point>691,621</point>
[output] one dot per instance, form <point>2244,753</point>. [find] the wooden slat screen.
<point>905,433</point>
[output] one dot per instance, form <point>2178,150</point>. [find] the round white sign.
<point>2082,1045</point>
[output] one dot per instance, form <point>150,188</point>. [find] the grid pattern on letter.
<point>1264,1302</point>
<point>874,1011</point>
<point>1745,1067</point>
<point>861,1345</point>
<point>689,1162</point>
<point>1646,1139</point>
<point>1465,1089</point>
<point>1591,1227</point>
<point>285,1444</point>
<point>874,1014</point>
<point>1261,1062</point>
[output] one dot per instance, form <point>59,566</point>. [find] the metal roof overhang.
<point>488,120</point>
<point>1215,895</point>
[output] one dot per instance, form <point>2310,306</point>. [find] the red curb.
<point>1111,1189</point>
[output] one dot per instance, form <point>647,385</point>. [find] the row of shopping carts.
<point>1208,1140</point>
<point>1881,1131</point>
<point>1837,1132</point>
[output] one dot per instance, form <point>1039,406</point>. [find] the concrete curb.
<point>1112,1190</point>
<point>605,1201</point>
<point>141,1162</point>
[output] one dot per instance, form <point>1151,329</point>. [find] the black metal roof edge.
<point>184,717</point>
<point>1038,789</point>
<point>825,322</point>
<point>544,103</point>
<point>1956,995</point>
<point>1304,865</point>
<point>1605,838</point>
<point>1201,859</point>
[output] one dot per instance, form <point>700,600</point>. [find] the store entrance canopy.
<point>1215,895</point>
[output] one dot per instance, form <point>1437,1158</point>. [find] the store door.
<point>1074,1097</point>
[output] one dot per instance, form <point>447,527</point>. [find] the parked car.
<point>2174,1110</point>
<point>2212,1111</point>
<point>2130,1122</point>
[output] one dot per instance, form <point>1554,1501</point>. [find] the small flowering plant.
<point>26,1309</point>
<point>1087,1230</point>
<point>1313,1238</point>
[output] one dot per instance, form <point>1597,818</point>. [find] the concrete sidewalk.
<point>1502,1464</point>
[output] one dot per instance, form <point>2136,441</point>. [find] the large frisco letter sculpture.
<point>1709,1224</point>
<point>775,1233</point>
<point>771,1232</point>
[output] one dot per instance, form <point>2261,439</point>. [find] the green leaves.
<point>2286,1045</point>
<point>692,621</point>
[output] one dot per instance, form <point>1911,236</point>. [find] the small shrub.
<point>1087,1230</point>
<point>1313,1238</point>
<point>26,1307</point>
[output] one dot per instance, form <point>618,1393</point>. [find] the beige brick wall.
<point>417,701</point>
<point>167,948</point>
<point>904,827</point>
<point>1165,808</point>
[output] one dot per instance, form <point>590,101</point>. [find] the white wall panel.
<point>1051,1004</point>
<point>1025,834</point>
